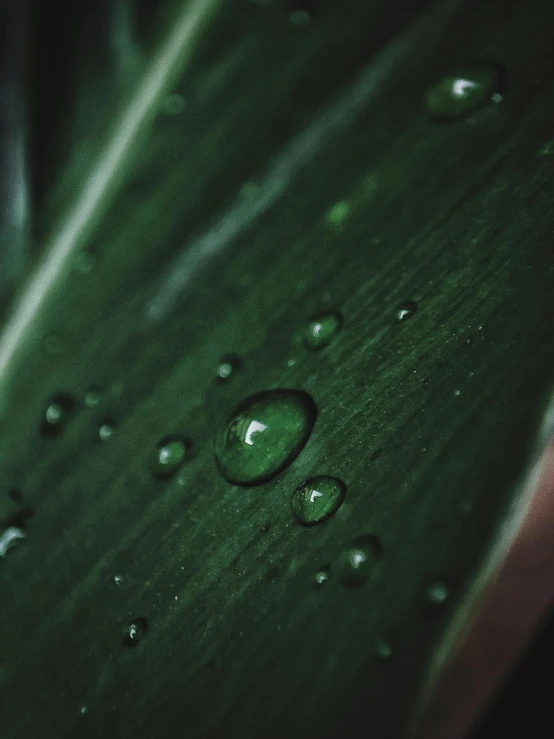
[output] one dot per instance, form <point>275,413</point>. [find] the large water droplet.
<point>317,499</point>
<point>322,328</point>
<point>263,435</point>
<point>135,632</point>
<point>406,310</point>
<point>57,413</point>
<point>169,455</point>
<point>463,91</point>
<point>358,560</point>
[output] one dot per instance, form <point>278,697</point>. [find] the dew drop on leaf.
<point>322,329</point>
<point>135,632</point>
<point>358,561</point>
<point>264,435</point>
<point>406,310</point>
<point>169,455</point>
<point>463,91</point>
<point>317,498</point>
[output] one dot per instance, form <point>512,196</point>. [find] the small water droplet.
<point>299,18</point>
<point>338,213</point>
<point>317,498</point>
<point>170,453</point>
<point>135,632</point>
<point>263,435</point>
<point>383,649</point>
<point>358,560</point>
<point>322,328</point>
<point>463,91</point>
<point>118,579</point>
<point>106,430</point>
<point>56,415</point>
<point>406,310</point>
<point>83,710</point>
<point>227,367</point>
<point>174,104</point>
<point>10,538</point>
<point>437,593</point>
<point>92,398</point>
<point>322,576</point>
<point>457,392</point>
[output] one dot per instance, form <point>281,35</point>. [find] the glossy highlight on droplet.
<point>169,455</point>
<point>92,398</point>
<point>317,499</point>
<point>322,329</point>
<point>322,576</point>
<point>358,561</point>
<point>58,411</point>
<point>10,538</point>
<point>227,367</point>
<point>406,310</point>
<point>135,632</point>
<point>106,430</point>
<point>465,90</point>
<point>263,435</point>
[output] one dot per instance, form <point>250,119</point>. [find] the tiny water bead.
<point>463,91</point>
<point>57,412</point>
<point>338,213</point>
<point>406,310</point>
<point>118,579</point>
<point>317,498</point>
<point>299,18</point>
<point>106,430</point>
<point>322,328</point>
<point>92,398</point>
<point>437,593</point>
<point>383,649</point>
<point>227,367</point>
<point>263,435</point>
<point>170,453</point>
<point>135,632</point>
<point>358,560</point>
<point>322,576</point>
